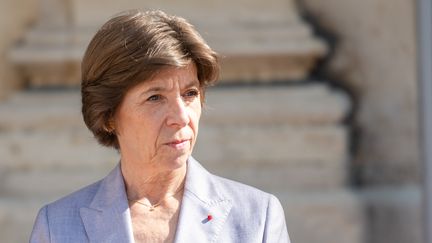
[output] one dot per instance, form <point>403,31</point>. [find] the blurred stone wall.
<point>375,55</point>
<point>15,18</point>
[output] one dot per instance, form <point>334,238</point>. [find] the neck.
<point>147,182</point>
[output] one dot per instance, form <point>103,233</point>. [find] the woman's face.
<point>157,121</point>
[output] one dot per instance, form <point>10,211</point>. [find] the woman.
<point>144,77</point>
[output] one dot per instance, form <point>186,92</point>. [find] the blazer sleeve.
<point>40,233</point>
<point>275,230</point>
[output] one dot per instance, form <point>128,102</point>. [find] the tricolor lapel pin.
<point>207,219</point>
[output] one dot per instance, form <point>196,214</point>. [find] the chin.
<point>177,161</point>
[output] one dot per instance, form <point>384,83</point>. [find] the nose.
<point>178,114</point>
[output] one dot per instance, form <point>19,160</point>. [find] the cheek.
<point>151,123</point>
<point>138,125</point>
<point>195,115</point>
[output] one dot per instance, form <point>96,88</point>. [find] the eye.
<point>154,98</point>
<point>191,93</point>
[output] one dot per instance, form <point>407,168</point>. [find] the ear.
<point>109,127</point>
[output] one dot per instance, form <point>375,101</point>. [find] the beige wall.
<point>15,17</point>
<point>376,56</point>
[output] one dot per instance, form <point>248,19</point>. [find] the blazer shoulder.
<point>56,219</point>
<point>238,191</point>
<point>254,212</point>
<point>75,200</point>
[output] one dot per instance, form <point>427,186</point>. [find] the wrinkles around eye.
<point>192,93</point>
<point>154,98</point>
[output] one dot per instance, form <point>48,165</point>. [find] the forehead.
<point>173,75</point>
<point>167,79</point>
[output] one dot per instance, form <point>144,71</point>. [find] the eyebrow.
<point>160,88</point>
<point>192,83</point>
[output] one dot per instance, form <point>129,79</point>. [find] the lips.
<point>178,144</point>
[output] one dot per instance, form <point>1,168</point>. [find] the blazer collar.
<point>107,218</point>
<point>203,197</point>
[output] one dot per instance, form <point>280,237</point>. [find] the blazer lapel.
<point>107,218</point>
<point>204,209</point>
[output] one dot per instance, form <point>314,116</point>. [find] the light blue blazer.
<point>100,213</point>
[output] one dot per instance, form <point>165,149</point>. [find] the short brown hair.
<point>129,49</point>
